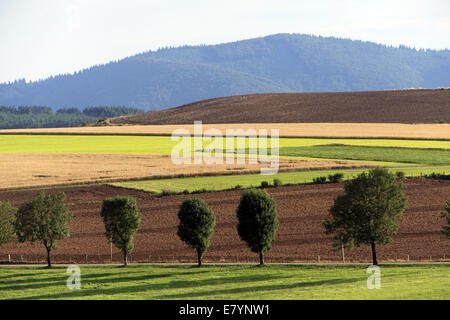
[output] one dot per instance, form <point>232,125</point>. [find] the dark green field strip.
<point>369,153</point>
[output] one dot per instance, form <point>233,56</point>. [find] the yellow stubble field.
<point>325,130</point>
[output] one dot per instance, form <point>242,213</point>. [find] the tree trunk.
<point>125,261</point>
<point>374,255</point>
<point>49,261</point>
<point>261,258</point>
<point>199,258</point>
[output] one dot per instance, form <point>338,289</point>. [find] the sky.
<point>39,38</point>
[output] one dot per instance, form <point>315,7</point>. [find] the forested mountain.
<point>279,63</point>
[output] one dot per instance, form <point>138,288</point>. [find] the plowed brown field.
<point>301,209</point>
<point>392,106</point>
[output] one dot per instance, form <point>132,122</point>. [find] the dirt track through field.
<point>300,238</point>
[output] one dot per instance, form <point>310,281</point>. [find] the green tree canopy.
<point>369,211</point>
<point>44,117</point>
<point>44,219</point>
<point>258,221</point>
<point>121,218</point>
<point>7,220</point>
<point>196,226</point>
<point>446,228</point>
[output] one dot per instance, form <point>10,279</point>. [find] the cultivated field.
<point>45,160</point>
<point>367,153</point>
<point>219,183</point>
<point>34,169</point>
<point>229,282</point>
<point>390,106</point>
<point>303,130</point>
<point>300,237</point>
<point>136,161</point>
<point>163,145</point>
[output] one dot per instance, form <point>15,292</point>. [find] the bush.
<point>277,182</point>
<point>264,184</point>
<point>439,176</point>
<point>257,221</point>
<point>320,180</point>
<point>400,174</point>
<point>167,192</point>
<point>196,225</point>
<point>237,187</point>
<point>335,178</point>
<point>186,191</point>
<point>204,190</point>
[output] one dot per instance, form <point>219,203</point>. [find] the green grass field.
<point>371,153</point>
<point>230,181</point>
<point>162,144</point>
<point>230,282</point>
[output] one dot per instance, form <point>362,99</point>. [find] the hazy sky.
<point>39,38</point>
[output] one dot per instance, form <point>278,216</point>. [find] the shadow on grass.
<point>24,284</point>
<point>211,293</point>
<point>37,277</point>
<point>19,275</point>
<point>172,285</point>
<point>96,278</point>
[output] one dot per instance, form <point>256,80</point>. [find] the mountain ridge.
<point>171,77</point>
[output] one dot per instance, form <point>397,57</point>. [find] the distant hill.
<point>400,106</point>
<point>279,63</point>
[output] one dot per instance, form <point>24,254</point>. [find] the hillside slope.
<point>279,63</point>
<point>401,106</point>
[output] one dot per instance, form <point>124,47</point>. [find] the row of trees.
<point>45,219</point>
<point>257,223</point>
<point>366,214</point>
<point>44,117</point>
<point>98,111</point>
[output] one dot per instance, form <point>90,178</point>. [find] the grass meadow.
<point>372,153</point>
<point>225,182</point>
<point>229,282</point>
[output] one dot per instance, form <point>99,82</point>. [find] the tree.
<point>369,211</point>
<point>446,228</point>
<point>44,219</point>
<point>258,221</point>
<point>121,218</point>
<point>7,220</point>
<point>197,222</point>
